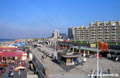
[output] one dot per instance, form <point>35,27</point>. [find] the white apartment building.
<point>105,31</point>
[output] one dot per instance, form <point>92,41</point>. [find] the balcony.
<point>113,33</point>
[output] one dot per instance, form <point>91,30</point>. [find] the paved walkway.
<point>47,63</point>
<point>30,74</point>
<point>56,71</point>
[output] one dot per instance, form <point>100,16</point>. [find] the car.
<point>2,69</point>
<point>10,73</point>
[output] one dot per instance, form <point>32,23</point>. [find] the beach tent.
<point>18,44</point>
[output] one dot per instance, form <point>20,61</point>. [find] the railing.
<point>39,67</point>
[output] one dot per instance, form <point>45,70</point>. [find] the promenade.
<point>81,71</point>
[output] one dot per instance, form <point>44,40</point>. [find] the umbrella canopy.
<point>20,67</point>
<point>15,69</point>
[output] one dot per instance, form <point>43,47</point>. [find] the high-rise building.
<point>55,34</point>
<point>78,33</point>
<point>70,33</point>
<point>105,31</point>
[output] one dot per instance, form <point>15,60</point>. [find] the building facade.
<point>55,34</point>
<point>105,31</point>
<point>63,36</point>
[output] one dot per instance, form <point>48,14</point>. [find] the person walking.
<point>52,55</point>
<point>42,58</point>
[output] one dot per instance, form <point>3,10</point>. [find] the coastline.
<point>6,40</point>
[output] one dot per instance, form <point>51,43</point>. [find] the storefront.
<point>68,58</point>
<point>10,56</point>
<point>8,49</point>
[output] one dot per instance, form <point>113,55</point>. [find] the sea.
<point>5,40</point>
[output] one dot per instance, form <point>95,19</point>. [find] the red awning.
<point>10,54</point>
<point>6,49</point>
<point>16,41</point>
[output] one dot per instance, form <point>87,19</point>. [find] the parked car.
<point>2,69</point>
<point>10,73</point>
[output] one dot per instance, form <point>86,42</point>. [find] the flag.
<point>102,46</point>
<point>105,47</point>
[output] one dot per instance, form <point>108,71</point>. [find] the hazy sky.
<point>38,18</point>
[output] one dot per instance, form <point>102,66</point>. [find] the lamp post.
<point>55,48</point>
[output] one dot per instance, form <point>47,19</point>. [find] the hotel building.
<point>105,31</point>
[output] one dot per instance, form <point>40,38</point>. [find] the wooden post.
<point>79,51</point>
<point>88,54</point>
<point>73,50</point>
<point>46,73</point>
<point>84,54</point>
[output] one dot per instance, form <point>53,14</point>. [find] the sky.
<point>38,18</point>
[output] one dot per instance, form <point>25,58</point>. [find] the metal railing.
<point>39,67</point>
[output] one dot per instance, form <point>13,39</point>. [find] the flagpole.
<point>97,60</point>
<point>55,50</point>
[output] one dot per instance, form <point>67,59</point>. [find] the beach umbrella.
<point>15,69</point>
<point>19,67</point>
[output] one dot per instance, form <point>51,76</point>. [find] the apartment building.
<point>105,31</point>
<point>78,33</point>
